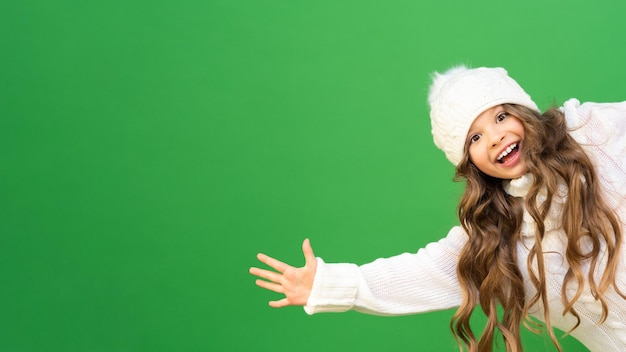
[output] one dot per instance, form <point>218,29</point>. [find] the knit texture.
<point>459,95</point>
<point>427,281</point>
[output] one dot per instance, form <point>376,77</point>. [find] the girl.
<point>541,224</point>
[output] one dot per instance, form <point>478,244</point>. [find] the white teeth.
<point>507,151</point>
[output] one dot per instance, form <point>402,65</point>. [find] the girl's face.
<point>496,139</point>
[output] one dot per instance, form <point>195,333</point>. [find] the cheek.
<point>473,154</point>
<point>520,127</point>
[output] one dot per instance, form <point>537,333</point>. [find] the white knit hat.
<point>459,95</point>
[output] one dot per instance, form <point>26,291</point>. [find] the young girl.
<point>541,224</point>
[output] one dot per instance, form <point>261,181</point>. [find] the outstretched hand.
<point>294,283</point>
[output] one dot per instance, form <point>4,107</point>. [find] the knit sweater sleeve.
<point>600,128</point>
<point>405,284</point>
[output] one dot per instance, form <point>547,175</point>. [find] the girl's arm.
<point>600,128</point>
<point>404,284</point>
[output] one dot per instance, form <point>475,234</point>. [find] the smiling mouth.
<point>507,152</point>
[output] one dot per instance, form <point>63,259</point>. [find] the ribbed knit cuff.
<point>334,288</point>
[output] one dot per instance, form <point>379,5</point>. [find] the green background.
<point>149,149</point>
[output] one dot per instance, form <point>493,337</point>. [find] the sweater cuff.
<point>334,288</point>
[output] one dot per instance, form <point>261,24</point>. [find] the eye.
<point>474,138</point>
<point>501,116</point>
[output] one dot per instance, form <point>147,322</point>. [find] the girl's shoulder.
<point>595,122</point>
<point>600,129</point>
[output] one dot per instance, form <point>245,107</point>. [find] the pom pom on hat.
<point>459,95</point>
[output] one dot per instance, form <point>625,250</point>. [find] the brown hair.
<point>487,268</point>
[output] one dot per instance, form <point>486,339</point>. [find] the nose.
<point>496,138</point>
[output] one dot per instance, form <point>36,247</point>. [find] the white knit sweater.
<point>426,281</point>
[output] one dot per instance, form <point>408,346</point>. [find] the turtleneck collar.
<point>519,187</point>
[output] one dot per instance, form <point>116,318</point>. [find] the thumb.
<point>309,257</point>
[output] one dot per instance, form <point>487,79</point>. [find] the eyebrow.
<point>499,109</point>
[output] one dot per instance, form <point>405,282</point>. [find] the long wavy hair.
<point>487,268</point>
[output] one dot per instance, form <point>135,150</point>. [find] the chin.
<point>519,173</point>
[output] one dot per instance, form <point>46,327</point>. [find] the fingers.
<point>280,303</point>
<point>270,286</point>
<point>274,263</point>
<point>266,274</point>
<point>309,257</point>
